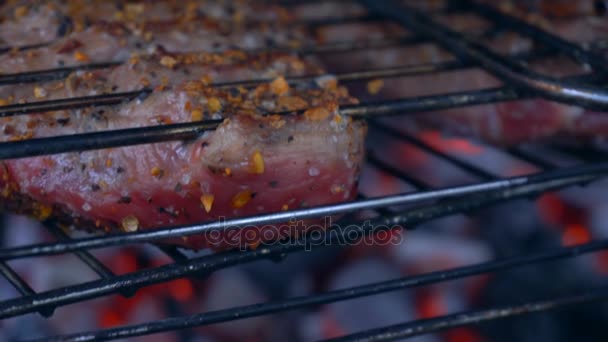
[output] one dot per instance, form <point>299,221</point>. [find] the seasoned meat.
<point>279,147</point>
<point>251,164</point>
<point>163,69</point>
<point>35,21</point>
<point>105,42</point>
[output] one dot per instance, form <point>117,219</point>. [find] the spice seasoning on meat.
<point>241,199</point>
<point>256,163</point>
<point>207,201</point>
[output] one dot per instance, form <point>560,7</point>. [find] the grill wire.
<point>521,83</point>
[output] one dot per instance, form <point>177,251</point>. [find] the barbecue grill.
<point>425,204</point>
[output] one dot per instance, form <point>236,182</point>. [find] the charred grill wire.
<point>447,201</point>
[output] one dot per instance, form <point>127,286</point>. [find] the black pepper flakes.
<point>273,184</point>
<point>124,200</point>
<point>290,138</point>
<point>168,212</point>
<point>98,115</point>
<point>120,170</point>
<point>143,95</point>
<point>63,121</point>
<point>234,92</point>
<point>65,26</point>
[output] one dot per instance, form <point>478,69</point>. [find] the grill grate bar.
<point>173,253</point>
<point>6,49</point>
<point>425,326</point>
<point>585,95</point>
<point>52,74</point>
<point>107,139</point>
<point>254,310</point>
<point>22,286</point>
<point>93,263</point>
<point>71,103</point>
<point>530,158</point>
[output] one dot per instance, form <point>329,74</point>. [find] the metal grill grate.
<point>521,83</point>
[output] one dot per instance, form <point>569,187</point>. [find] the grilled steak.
<point>256,161</point>
<point>251,164</point>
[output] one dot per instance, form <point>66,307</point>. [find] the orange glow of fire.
<point>551,209</point>
<point>429,304</point>
<point>330,327</point>
<point>124,262</point>
<point>181,289</point>
<point>118,309</point>
<point>402,153</point>
<point>478,283</point>
<point>462,335</point>
<point>575,234</point>
<point>449,144</point>
<point>111,318</point>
